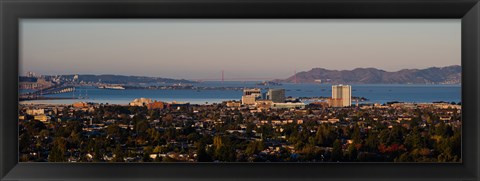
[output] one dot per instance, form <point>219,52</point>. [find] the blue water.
<point>376,93</point>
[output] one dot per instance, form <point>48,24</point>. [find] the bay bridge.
<point>56,89</point>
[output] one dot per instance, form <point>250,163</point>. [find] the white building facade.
<point>342,93</point>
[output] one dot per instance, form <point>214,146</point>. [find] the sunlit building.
<point>140,102</point>
<point>34,112</point>
<point>42,118</point>
<point>233,104</point>
<point>263,104</point>
<point>250,96</point>
<point>80,104</point>
<point>341,96</point>
<point>256,92</point>
<point>288,105</point>
<point>249,99</point>
<point>155,105</point>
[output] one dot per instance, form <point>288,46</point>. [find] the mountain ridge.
<point>432,75</point>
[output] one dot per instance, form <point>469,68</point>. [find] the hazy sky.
<point>244,49</point>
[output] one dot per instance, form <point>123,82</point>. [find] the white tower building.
<point>343,95</point>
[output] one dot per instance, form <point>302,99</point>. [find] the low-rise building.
<point>42,118</point>
<point>320,104</point>
<point>80,104</point>
<point>178,105</point>
<point>141,102</point>
<point>156,105</point>
<point>288,105</point>
<point>233,104</point>
<point>34,112</point>
<point>249,99</point>
<point>263,104</point>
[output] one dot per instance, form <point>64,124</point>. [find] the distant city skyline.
<point>202,49</point>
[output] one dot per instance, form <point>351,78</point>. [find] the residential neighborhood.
<point>155,131</point>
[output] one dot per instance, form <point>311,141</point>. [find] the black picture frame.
<point>11,11</point>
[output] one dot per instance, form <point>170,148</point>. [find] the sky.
<point>243,49</point>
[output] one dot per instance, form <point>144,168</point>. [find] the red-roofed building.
<point>156,105</point>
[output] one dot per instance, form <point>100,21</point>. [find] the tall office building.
<point>341,96</point>
<point>276,95</point>
<point>251,95</point>
<point>256,92</point>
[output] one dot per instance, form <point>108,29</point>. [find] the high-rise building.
<point>276,95</point>
<point>256,92</point>
<point>341,96</point>
<point>251,95</point>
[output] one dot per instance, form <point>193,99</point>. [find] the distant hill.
<point>27,79</point>
<point>432,75</point>
<point>122,79</point>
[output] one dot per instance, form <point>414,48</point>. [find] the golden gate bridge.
<point>223,78</point>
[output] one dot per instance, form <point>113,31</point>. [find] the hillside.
<point>432,75</point>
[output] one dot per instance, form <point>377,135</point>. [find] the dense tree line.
<point>422,139</point>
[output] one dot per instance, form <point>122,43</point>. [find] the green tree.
<point>118,154</point>
<point>254,147</point>
<point>337,151</point>
<point>202,155</point>
<point>57,153</point>
<point>351,152</point>
<point>371,143</point>
<point>356,135</point>
<point>217,142</point>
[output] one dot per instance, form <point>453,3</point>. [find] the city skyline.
<point>240,48</point>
